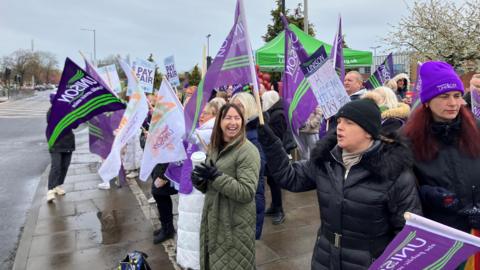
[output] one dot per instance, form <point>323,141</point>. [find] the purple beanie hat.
<point>438,78</point>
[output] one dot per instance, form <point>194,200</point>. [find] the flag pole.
<point>252,66</point>
<point>111,90</point>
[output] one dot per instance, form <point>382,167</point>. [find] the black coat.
<point>64,144</point>
<point>454,171</point>
<point>279,126</point>
<point>167,189</point>
<point>366,209</point>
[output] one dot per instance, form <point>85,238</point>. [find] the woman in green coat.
<point>229,180</point>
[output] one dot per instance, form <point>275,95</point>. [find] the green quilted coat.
<point>227,233</point>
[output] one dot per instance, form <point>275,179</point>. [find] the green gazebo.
<point>270,57</point>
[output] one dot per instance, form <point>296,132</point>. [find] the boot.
<point>271,211</point>
<point>278,218</point>
<point>166,232</point>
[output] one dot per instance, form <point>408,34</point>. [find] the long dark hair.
<point>425,146</point>
<point>217,142</point>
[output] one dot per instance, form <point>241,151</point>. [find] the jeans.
<point>59,168</point>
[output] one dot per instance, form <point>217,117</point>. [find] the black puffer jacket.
<point>64,144</point>
<point>279,126</point>
<point>454,171</point>
<point>366,208</point>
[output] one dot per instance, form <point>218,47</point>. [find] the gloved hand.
<point>198,182</point>
<point>473,215</point>
<point>439,198</point>
<point>266,135</point>
<point>208,172</point>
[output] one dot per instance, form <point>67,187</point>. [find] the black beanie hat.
<point>365,113</point>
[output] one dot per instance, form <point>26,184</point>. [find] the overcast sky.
<point>177,27</point>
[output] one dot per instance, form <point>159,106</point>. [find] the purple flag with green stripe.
<point>426,244</point>
<point>230,66</point>
<point>383,73</point>
<point>79,98</point>
<point>298,98</point>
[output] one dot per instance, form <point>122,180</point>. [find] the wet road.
<point>23,158</point>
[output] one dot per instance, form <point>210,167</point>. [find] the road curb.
<point>23,249</point>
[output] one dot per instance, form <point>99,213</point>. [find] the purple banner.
<point>230,66</point>
<point>337,52</point>
<point>425,244</point>
<point>179,172</point>
<point>78,99</point>
<point>297,95</point>
<point>101,129</point>
<point>383,73</point>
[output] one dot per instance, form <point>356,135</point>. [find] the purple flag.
<point>79,98</point>
<point>426,244</point>
<point>337,52</point>
<point>383,73</point>
<point>101,128</point>
<point>230,66</point>
<point>179,172</point>
<point>475,99</point>
<point>297,95</point>
<point>416,89</point>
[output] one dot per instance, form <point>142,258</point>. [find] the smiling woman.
<point>229,180</point>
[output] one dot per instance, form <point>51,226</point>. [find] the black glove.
<point>473,215</point>
<point>439,198</point>
<point>198,182</point>
<point>208,172</point>
<point>266,135</point>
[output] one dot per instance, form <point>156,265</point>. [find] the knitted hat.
<point>438,78</point>
<point>365,113</point>
<point>269,98</point>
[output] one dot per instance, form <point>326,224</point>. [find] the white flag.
<point>165,137</point>
<point>132,120</point>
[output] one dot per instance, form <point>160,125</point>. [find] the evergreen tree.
<point>195,76</point>
<point>297,18</point>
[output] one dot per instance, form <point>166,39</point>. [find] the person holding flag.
<point>364,185</point>
<point>80,97</point>
<point>61,155</point>
<point>445,139</point>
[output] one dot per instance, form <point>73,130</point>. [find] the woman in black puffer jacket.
<point>364,186</point>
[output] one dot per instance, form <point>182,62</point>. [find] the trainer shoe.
<point>104,185</point>
<point>132,174</point>
<point>50,195</point>
<point>59,190</point>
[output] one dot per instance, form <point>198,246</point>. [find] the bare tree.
<point>49,64</point>
<point>441,30</point>
<point>40,65</point>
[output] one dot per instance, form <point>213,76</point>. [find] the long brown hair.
<point>425,146</point>
<point>217,141</point>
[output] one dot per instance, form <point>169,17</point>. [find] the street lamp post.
<point>209,59</point>
<point>94,44</point>
<point>374,48</point>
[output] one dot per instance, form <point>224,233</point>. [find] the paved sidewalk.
<point>87,228</point>
<point>94,229</point>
